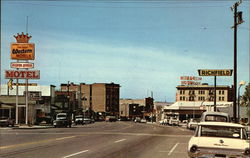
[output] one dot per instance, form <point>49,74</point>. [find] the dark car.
<point>6,121</point>
<point>87,120</point>
<point>79,120</point>
<point>62,120</point>
<point>111,119</point>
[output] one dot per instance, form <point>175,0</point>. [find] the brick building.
<point>131,108</point>
<point>203,92</point>
<point>193,100</point>
<point>101,97</point>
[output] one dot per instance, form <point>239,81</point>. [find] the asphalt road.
<point>98,140</point>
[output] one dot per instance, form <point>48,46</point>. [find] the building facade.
<point>131,108</point>
<point>40,99</point>
<point>100,97</point>
<point>193,100</point>
<point>203,93</point>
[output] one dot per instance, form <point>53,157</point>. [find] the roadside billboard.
<point>190,80</point>
<point>22,51</point>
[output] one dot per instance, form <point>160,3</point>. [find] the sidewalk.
<point>32,126</point>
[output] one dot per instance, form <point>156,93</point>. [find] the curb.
<point>32,127</point>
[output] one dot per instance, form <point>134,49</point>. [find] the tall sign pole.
<point>237,20</point>
<point>215,73</point>
<point>22,51</point>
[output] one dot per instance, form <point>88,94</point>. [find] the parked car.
<point>219,139</point>
<point>87,120</point>
<point>192,124</point>
<point>174,121</point>
<point>215,117</point>
<point>163,122</point>
<point>6,121</point>
<point>79,119</point>
<point>137,120</point>
<point>62,120</point>
<point>111,119</point>
<point>143,121</point>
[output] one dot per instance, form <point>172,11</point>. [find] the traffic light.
<point>10,84</point>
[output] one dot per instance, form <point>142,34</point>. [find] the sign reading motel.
<point>19,74</point>
<point>223,72</point>
<point>22,65</point>
<point>22,51</point>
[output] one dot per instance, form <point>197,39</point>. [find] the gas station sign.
<point>222,72</point>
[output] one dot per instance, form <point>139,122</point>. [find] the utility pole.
<point>237,20</point>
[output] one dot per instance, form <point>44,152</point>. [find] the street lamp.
<point>240,85</point>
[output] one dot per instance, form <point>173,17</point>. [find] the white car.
<point>215,117</point>
<point>192,124</point>
<point>219,139</point>
<point>173,121</point>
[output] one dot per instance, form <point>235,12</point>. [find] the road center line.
<point>36,142</point>
<point>65,137</point>
<point>84,151</point>
<point>119,140</point>
<point>173,149</point>
<point>180,129</point>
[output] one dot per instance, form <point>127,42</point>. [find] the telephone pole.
<point>237,20</point>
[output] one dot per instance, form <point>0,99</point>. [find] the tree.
<point>245,99</point>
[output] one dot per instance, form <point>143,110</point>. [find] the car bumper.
<point>4,124</point>
<point>60,123</point>
<point>192,126</point>
<point>214,152</point>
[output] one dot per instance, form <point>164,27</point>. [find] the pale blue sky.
<point>142,45</point>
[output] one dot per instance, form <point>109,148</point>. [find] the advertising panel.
<point>22,65</point>
<point>24,84</point>
<point>22,74</point>
<point>190,80</point>
<point>22,51</point>
<point>222,72</point>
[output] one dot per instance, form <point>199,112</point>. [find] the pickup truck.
<point>62,120</point>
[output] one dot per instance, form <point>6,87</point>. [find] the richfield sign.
<point>18,74</point>
<point>223,72</point>
<point>22,65</point>
<point>22,51</point>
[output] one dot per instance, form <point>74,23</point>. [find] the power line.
<point>187,5</point>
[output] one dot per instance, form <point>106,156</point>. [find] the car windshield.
<point>3,118</point>
<point>61,115</point>
<point>79,116</point>
<point>216,118</point>
<point>221,131</point>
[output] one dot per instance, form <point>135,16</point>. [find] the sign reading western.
<point>19,74</point>
<point>22,65</point>
<point>22,51</point>
<point>223,72</point>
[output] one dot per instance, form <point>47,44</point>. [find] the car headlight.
<point>193,149</point>
<point>247,151</point>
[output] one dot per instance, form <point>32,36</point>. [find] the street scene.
<point>125,79</point>
<point>101,139</point>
